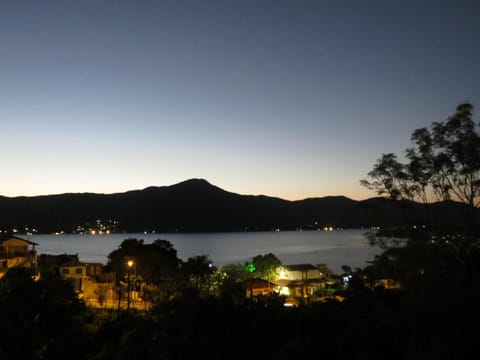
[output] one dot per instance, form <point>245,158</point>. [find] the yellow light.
<point>130,263</point>
<point>285,291</point>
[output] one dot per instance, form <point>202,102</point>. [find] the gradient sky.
<point>292,99</point>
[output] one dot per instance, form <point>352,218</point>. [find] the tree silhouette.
<point>40,319</point>
<point>442,165</point>
<point>198,271</point>
<point>265,266</point>
<point>156,263</point>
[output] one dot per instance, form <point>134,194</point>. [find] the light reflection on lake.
<point>336,248</point>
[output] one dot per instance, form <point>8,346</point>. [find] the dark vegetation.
<point>433,315</point>
<point>430,317</point>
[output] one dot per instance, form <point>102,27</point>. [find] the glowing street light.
<point>130,264</point>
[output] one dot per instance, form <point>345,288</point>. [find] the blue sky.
<point>292,99</point>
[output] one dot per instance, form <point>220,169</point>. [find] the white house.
<point>301,280</point>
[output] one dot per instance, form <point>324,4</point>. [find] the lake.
<point>334,248</point>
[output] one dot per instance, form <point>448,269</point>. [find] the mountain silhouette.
<point>196,205</point>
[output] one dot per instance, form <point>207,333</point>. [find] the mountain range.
<point>196,205</point>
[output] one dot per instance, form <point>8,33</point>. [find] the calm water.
<point>337,248</point>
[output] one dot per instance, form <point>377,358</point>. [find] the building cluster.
<point>19,252</point>
<point>300,282</point>
<point>98,227</point>
<point>297,283</point>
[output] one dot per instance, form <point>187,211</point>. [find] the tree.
<point>198,270</point>
<point>388,177</point>
<point>157,263</point>
<point>442,165</point>
<point>40,319</point>
<point>265,266</point>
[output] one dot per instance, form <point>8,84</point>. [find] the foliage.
<point>430,319</point>
<point>199,271</point>
<point>101,292</point>
<point>266,265</point>
<point>367,324</point>
<point>389,237</point>
<point>442,165</point>
<point>156,263</point>
<point>40,319</point>
<point>228,279</point>
<point>388,177</point>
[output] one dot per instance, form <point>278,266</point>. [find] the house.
<point>324,270</point>
<point>50,263</point>
<point>81,274</point>
<point>16,251</point>
<point>94,270</point>
<point>302,280</point>
<point>73,269</point>
<point>387,283</point>
<point>255,287</point>
<point>298,272</point>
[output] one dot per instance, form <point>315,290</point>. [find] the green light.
<point>250,267</point>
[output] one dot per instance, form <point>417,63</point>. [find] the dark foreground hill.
<point>196,206</point>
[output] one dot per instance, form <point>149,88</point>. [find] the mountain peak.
<point>190,183</point>
<point>194,181</point>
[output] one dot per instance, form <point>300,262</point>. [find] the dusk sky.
<point>292,99</point>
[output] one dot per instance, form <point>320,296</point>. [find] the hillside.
<point>196,206</point>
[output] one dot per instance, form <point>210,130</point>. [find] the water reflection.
<point>336,248</point>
